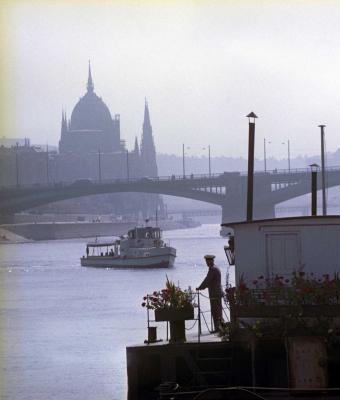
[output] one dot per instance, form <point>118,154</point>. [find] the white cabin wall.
<point>318,244</point>
<point>249,253</point>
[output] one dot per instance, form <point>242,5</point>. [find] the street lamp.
<point>183,159</point>
<point>265,153</point>
<point>209,157</point>
<point>314,171</point>
<point>47,166</point>
<point>288,149</point>
<point>17,163</point>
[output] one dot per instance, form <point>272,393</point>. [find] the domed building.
<point>90,148</point>
<point>91,127</point>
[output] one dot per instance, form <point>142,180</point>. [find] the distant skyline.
<point>201,65</point>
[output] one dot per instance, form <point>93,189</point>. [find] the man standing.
<point>213,282</point>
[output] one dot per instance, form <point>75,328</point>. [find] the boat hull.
<point>157,261</point>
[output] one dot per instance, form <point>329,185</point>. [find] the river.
<point>64,328</point>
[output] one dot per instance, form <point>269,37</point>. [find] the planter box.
<point>174,315</point>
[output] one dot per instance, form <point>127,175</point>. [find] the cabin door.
<point>283,253</point>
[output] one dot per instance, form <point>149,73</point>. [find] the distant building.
<point>91,127</point>
<point>90,147</point>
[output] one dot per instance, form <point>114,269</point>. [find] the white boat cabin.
<point>281,246</point>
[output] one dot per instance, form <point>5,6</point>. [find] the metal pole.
<point>183,161</point>
<point>264,155</point>
<point>99,167</point>
<point>209,161</point>
<point>17,164</point>
<point>288,155</point>
<point>47,167</point>
<point>250,183</point>
<point>323,179</point>
<point>314,192</point>
<point>127,165</point>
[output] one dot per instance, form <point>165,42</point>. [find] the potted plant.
<point>174,305</point>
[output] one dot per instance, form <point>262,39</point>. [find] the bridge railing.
<point>176,178</point>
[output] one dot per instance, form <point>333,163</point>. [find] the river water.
<point>64,328</point>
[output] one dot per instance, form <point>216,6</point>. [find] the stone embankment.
<point>16,233</point>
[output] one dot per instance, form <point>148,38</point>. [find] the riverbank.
<point>25,232</point>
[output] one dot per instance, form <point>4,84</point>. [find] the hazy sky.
<point>202,65</point>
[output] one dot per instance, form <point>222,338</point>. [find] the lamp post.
<point>99,167</point>
<point>47,166</point>
<point>288,150</point>
<point>265,153</point>
<point>250,179</point>
<point>209,161</point>
<point>209,158</point>
<point>314,171</point>
<point>17,164</point>
<point>183,161</point>
<point>323,179</point>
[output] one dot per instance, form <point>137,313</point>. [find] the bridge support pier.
<point>236,212</point>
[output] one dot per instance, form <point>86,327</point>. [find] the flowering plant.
<point>170,298</point>
<point>299,289</point>
<point>297,294</point>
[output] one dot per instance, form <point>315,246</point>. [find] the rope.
<point>188,329</point>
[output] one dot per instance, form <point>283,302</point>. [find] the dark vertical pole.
<point>99,167</point>
<point>183,161</point>
<point>288,156</point>
<point>127,165</point>
<point>314,191</point>
<point>251,146</point>
<point>264,155</point>
<point>324,205</point>
<point>47,167</point>
<point>209,161</point>
<point>17,164</point>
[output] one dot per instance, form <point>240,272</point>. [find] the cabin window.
<point>282,253</point>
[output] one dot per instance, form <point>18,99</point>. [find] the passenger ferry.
<point>143,247</point>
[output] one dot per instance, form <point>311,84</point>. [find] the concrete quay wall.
<point>72,230</point>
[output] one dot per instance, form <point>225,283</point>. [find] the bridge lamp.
<point>209,157</point>
<point>314,170</point>
<point>288,149</point>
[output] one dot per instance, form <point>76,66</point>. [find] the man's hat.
<point>209,257</point>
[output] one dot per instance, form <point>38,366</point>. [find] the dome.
<point>90,113</point>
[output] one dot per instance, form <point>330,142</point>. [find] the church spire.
<point>90,85</point>
<point>147,147</point>
<point>136,149</point>
<point>63,122</point>
<point>146,123</point>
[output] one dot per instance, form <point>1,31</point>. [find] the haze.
<point>202,66</point>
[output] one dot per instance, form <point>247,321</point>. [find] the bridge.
<point>227,189</point>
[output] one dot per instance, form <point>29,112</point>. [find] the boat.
<point>143,247</point>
